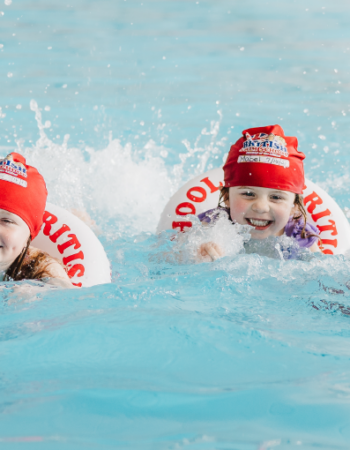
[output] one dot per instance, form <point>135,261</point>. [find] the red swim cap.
<point>22,191</point>
<point>265,157</point>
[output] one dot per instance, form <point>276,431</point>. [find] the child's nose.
<point>261,205</point>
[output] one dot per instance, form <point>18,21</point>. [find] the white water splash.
<point>230,238</point>
<point>123,188</point>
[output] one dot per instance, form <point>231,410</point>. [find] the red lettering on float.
<point>70,258</point>
<point>327,252</point>
<point>73,241</point>
<point>77,284</point>
<point>76,268</point>
<point>185,205</point>
<point>332,227</point>
<point>48,220</point>
<point>333,242</point>
<point>59,233</point>
<point>319,215</point>
<point>314,200</point>
<point>210,185</point>
<point>182,225</point>
<point>195,198</point>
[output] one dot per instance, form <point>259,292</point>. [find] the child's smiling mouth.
<point>259,224</point>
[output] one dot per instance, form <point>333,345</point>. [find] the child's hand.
<point>210,251</point>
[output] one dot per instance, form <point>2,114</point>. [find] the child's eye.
<point>6,220</point>
<point>277,197</point>
<point>248,194</point>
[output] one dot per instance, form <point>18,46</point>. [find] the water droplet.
<point>10,74</point>
<point>64,86</point>
<point>8,2</point>
<point>47,108</point>
<point>49,48</point>
<point>306,111</point>
<point>322,137</point>
<point>242,49</point>
<point>33,105</point>
<point>142,123</point>
<point>19,107</point>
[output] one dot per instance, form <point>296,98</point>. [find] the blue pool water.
<point>247,353</point>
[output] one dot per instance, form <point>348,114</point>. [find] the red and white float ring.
<point>67,238</point>
<point>202,193</point>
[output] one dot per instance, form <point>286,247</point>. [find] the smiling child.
<point>264,181</point>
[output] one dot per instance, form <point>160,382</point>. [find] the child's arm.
<point>57,274</point>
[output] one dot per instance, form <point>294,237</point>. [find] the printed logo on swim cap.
<point>12,171</point>
<point>264,148</point>
<point>262,143</point>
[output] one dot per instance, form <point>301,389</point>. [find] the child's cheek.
<point>238,209</point>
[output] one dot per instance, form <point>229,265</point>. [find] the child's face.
<point>267,210</point>
<point>14,234</point>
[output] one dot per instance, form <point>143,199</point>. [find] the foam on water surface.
<point>119,104</point>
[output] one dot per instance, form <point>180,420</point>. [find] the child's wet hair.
<point>298,202</point>
<point>26,267</point>
<point>224,196</point>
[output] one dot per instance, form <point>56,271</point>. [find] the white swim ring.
<point>202,193</point>
<point>67,238</point>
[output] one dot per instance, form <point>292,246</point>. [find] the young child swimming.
<point>22,204</point>
<point>264,181</point>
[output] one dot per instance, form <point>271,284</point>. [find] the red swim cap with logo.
<point>22,191</point>
<point>265,157</point>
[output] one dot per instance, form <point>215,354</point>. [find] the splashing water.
<point>222,233</point>
<point>121,186</point>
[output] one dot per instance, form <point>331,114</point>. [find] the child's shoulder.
<point>212,215</point>
<point>305,233</point>
<point>38,264</point>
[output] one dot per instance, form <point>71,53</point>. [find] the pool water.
<point>119,103</point>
